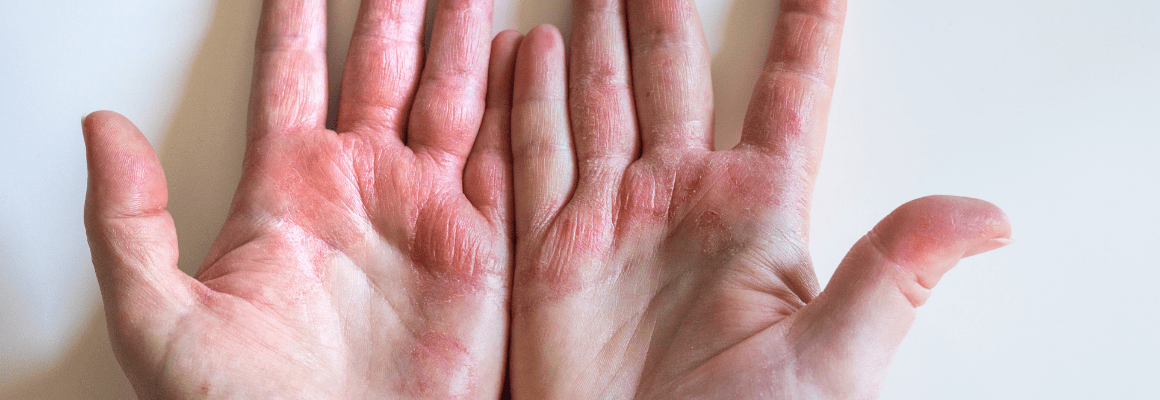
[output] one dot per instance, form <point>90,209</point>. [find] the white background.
<point>1050,109</point>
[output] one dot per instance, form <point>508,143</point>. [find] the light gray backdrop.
<point>1050,109</point>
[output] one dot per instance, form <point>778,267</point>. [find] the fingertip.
<point>939,230</point>
<point>537,54</point>
<point>505,44</point>
<point>507,36</point>
<point>88,119</point>
<point>979,219</point>
<point>545,29</point>
<point>540,70</point>
<point>108,130</point>
<point>131,236</point>
<point>94,120</point>
<point>544,38</point>
<point>989,245</point>
<point>503,54</point>
<point>125,176</point>
<point>104,115</point>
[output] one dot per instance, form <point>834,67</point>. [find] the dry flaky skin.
<point>372,262</point>
<point>649,266</point>
<point>376,261</point>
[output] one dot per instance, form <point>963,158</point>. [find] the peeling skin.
<point>673,271</point>
<point>352,265</point>
<point>698,236</point>
<point>368,263</point>
<point>296,237</point>
<point>442,363</point>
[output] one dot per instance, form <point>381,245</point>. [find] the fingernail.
<point>988,246</point>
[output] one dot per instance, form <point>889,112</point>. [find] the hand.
<point>371,262</point>
<point>649,266</point>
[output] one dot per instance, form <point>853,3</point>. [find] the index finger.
<point>289,89</point>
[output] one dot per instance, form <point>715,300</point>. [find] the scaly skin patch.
<point>373,262</point>
<point>293,251</point>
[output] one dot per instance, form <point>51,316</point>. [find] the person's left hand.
<point>651,267</point>
<point>371,262</point>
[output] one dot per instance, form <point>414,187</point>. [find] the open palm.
<point>650,266</point>
<point>371,262</point>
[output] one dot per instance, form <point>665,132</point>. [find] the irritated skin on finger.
<point>678,272</point>
<point>351,266</point>
<point>334,261</point>
<point>695,255</point>
<point>698,284</point>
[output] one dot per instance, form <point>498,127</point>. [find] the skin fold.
<point>650,266</point>
<point>479,192</point>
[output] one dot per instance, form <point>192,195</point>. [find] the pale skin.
<point>468,186</point>
<point>373,261</point>
<point>650,266</point>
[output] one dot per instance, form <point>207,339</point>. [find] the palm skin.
<point>649,266</point>
<point>371,262</point>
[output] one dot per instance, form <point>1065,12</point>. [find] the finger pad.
<point>937,231</point>
<point>125,174</point>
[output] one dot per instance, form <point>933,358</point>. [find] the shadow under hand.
<point>202,157</point>
<point>202,152</point>
<point>737,64</point>
<point>532,13</point>
<point>88,371</point>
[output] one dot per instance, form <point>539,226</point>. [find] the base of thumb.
<point>854,326</point>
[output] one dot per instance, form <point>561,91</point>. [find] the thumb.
<point>852,329</point>
<point>131,235</point>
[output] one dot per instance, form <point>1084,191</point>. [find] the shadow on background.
<point>202,151</point>
<point>737,63</point>
<point>532,13</point>
<point>202,155</point>
<point>87,371</point>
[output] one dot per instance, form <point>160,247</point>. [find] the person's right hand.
<point>371,262</point>
<point>651,267</point>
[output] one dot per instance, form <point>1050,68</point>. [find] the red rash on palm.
<point>580,201</point>
<point>674,271</point>
<point>352,264</point>
<point>440,361</point>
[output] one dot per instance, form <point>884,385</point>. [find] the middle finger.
<point>382,67</point>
